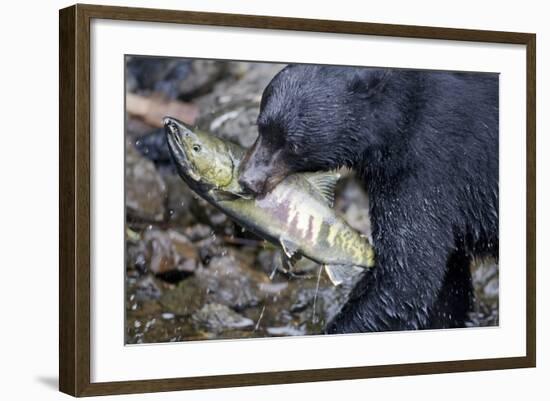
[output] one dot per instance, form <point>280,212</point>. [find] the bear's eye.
<point>196,148</point>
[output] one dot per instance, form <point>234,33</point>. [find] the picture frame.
<point>76,203</point>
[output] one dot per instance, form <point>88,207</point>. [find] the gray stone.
<point>218,317</point>
<point>145,188</point>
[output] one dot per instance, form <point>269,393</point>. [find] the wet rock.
<point>156,74</point>
<point>273,288</point>
<point>485,280</point>
<point>313,305</point>
<point>154,147</point>
<point>230,282</point>
<point>136,252</point>
<point>147,289</point>
<point>286,331</point>
<point>173,77</point>
<point>188,266</point>
<point>185,299</point>
<point>206,254</point>
<point>198,232</point>
<point>268,261</point>
<point>201,78</point>
<point>211,247</point>
<point>217,218</point>
<point>136,128</point>
<point>218,317</point>
<point>208,214</point>
<point>271,262</point>
<point>235,122</point>
<point>232,108</point>
<point>302,301</point>
<point>333,298</point>
<point>160,327</point>
<point>353,202</point>
<point>180,202</point>
<point>225,281</point>
<point>491,288</point>
<point>145,188</point>
<point>246,82</point>
<point>142,308</point>
<point>301,294</point>
<point>169,250</point>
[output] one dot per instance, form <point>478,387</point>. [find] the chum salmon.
<point>296,215</point>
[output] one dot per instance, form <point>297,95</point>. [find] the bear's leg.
<point>403,289</point>
<point>455,298</point>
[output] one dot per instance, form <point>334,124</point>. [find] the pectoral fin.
<point>287,265</point>
<point>341,273</point>
<point>289,247</point>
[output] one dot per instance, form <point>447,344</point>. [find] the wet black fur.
<point>425,145</point>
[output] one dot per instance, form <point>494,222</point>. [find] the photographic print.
<point>269,200</point>
<point>358,195</point>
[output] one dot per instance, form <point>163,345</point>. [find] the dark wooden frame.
<point>74,199</point>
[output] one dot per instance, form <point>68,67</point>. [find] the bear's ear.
<point>368,81</point>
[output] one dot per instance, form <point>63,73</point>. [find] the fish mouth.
<point>185,167</point>
<point>177,149</point>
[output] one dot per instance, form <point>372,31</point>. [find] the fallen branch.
<point>152,109</point>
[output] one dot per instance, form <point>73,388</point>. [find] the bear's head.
<point>314,118</point>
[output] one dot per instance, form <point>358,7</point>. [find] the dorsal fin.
<point>324,183</point>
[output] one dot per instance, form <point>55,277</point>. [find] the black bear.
<point>425,145</point>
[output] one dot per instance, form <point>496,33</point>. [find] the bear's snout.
<point>262,168</point>
<point>251,183</point>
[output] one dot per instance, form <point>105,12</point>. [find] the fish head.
<point>204,161</point>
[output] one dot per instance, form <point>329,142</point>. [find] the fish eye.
<point>196,148</point>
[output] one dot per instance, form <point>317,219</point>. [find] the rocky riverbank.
<point>191,273</point>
